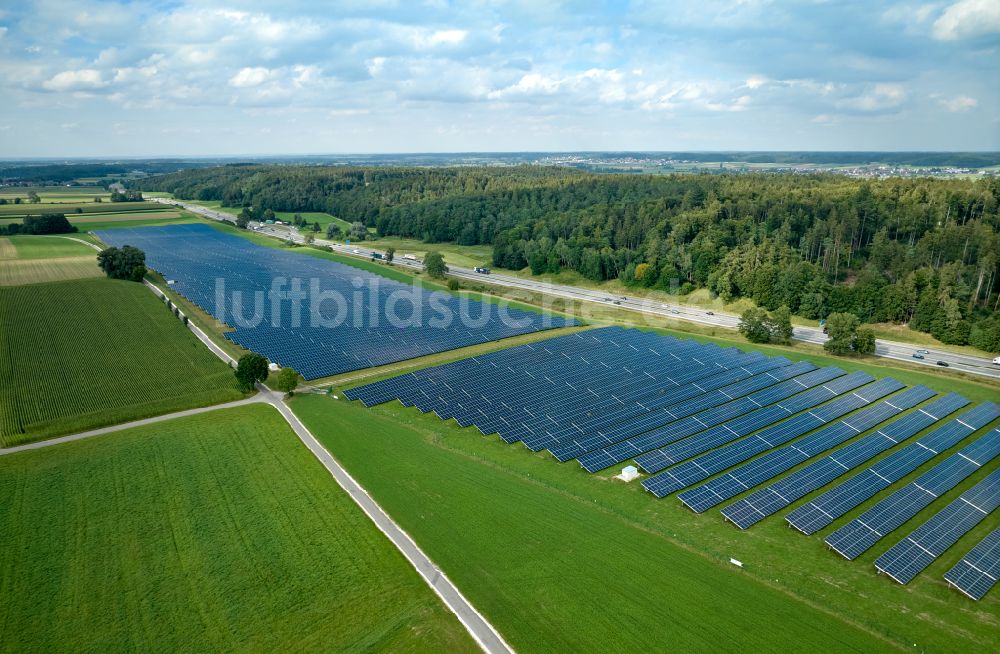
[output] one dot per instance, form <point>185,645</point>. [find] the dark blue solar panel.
<point>758,505</point>
<point>522,391</point>
<point>315,315</point>
<point>854,538</point>
<point>702,467</point>
<point>904,560</point>
<point>669,406</point>
<point>783,459</point>
<point>542,396</point>
<point>614,401</point>
<point>978,570</point>
<point>734,429</point>
<point>620,451</point>
<point>824,509</point>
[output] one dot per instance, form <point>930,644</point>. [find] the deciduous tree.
<point>251,369</point>
<point>434,265</point>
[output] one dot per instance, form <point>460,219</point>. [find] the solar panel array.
<point>785,458</point>
<point>858,535</point>
<point>824,509</point>
<point>978,570</point>
<point>704,466</point>
<point>315,315</point>
<point>715,424</point>
<point>767,501</point>
<point>908,557</point>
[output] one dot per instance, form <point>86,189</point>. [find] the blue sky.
<point>92,78</point>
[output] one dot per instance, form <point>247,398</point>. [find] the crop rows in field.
<point>79,355</point>
<point>70,207</point>
<point>218,533</point>
<point>17,272</point>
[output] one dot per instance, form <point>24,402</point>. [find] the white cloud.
<point>85,79</point>
<point>304,75</point>
<point>440,38</point>
<point>968,19</point>
<point>880,97</point>
<point>375,66</point>
<point>337,113</point>
<point>531,84</point>
<point>959,103</point>
<point>739,104</point>
<point>250,77</point>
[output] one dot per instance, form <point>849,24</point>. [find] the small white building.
<point>628,473</point>
<point>273,367</point>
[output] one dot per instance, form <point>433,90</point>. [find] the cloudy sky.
<point>191,77</point>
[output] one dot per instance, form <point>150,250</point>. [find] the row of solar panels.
<point>686,412</point>
<point>317,316</point>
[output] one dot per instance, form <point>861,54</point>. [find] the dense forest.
<point>923,252</point>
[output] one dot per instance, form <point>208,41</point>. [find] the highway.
<point>655,312</point>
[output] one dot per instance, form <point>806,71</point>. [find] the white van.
<point>997,361</point>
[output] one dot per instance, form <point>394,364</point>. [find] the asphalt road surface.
<point>655,311</point>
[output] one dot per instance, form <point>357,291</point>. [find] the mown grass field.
<point>69,208</point>
<point>56,193</point>
<point>562,561</point>
<point>49,247</point>
<point>214,533</point>
<point>36,259</point>
<point>83,354</point>
<point>108,217</point>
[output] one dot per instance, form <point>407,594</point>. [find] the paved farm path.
<point>80,240</point>
<point>478,627</point>
<point>256,399</point>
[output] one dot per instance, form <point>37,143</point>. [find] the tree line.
<point>47,223</point>
<point>917,251</point>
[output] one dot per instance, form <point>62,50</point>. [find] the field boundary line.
<point>37,445</point>
<point>484,633</point>
<point>195,329</point>
<point>80,240</point>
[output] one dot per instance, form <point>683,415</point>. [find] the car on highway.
<point>943,364</point>
<point>482,271</point>
<point>674,311</point>
<point>996,361</point>
<point>923,351</point>
<point>356,251</point>
<point>917,355</point>
<point>709,313</point>
<point>618,301</point>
